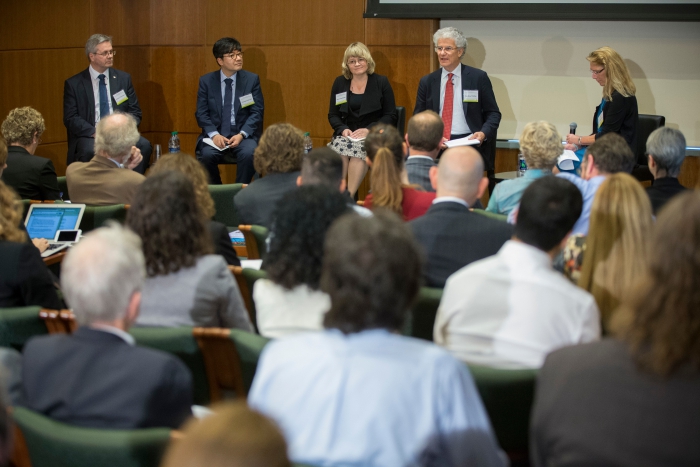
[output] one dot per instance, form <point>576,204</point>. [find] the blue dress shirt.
<point>588,189</point>
<point>506,195</point>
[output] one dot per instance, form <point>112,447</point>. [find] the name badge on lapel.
<point>470,96</point>
<point>120,97</point>
<point>341,98</point>
<point>247,100</point>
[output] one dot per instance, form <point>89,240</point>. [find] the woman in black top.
<point>359,99</point>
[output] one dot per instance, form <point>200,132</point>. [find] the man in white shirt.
<point>512,309</point>
<point>424,139</point>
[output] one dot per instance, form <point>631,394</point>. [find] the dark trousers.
<point>85,151</point>
<point>241,155</point>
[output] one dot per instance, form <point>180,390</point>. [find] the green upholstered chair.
<point>508,397</point>
<point>422,317</point>
<point>255,240</point>
<point>223,202</point>
<point>18,325</point>
<point>181,343</point>
<point>250,276</point>
<point>492,215</point>
<point>97,216</point>
<point>63,188</point>
<point>249,347</point>
<point>55,444</point>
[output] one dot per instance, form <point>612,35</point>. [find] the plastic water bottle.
<point>174,143</point>
<point>308,145</point>
<point>522,166</point>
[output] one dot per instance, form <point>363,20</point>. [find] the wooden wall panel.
<point>127,21</point>
<point>57,153</point>
<point>399,31</point>
<point>44,24</point>
<point>177,22</point>
<point>286,22</point>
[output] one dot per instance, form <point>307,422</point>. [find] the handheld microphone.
<point>572,128</point>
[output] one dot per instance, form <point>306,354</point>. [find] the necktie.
<point>226,115</point>
<point>104,100</point>
<point>448,106</point>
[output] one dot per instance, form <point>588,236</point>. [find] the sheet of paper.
<point>566,160</point>
<point>462,142</point>
<point>211,143</point>
<point>355,140</point>
<point>251,263</point>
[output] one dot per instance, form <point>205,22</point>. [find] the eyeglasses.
<point>107,53</point>
<point>356,61</point>
<point>597,72</point>
<point>449,50</point>
<point>234,55</point>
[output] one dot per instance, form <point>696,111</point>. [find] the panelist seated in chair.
<point>96,377</point>
<point>94,93</point>
<point>230,112</point>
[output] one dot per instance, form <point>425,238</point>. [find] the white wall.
<point>539,69</point>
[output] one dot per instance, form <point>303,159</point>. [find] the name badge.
<point>470,96</point>
<point>120,97</point>
<point>247,100</point>
<point>341,98</point>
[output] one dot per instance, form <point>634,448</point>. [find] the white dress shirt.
<point>512,309</point>
<point>94,77</point>
<point>459,120</point>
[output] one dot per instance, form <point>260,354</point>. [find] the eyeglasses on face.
<point>108,53</point>
<point>234,55</point>
<point>597,72</point>
<point>357,61</point>
<point>449,50</point>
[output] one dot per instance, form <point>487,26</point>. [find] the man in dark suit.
<point>96,377</point>
<point>473,111</point>
<point>451,235</point>
<point>230,111</point>
<point>666,152</point>
<point>94,93</point>
<point>424,138</point>
<point>32,177</point>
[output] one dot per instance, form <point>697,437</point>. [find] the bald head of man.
<point>460,174</point>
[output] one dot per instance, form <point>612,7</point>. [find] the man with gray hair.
<point>462,95</point>
<point>424,139</point>
<point>451,235</point>
<point>94,93</point>
<point>666,152</point>
<point>109,177</point>
<point>97,377</point>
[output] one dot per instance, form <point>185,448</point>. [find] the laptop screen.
<point>44,221</point>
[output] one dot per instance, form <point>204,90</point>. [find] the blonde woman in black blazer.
<point>359,99</point>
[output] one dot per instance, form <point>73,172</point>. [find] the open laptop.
<point>46,220</point>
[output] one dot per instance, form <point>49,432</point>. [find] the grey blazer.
<point>418,169</point>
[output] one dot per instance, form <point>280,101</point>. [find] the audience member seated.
<point>188,166</point>
<point>540,145</point>
<point>609,154</point>
<point>11,376</point>
<point>24,278</point>
<point>390,189</point>
<point>96,377</point>
<point>616,247</point>
<point>359,393</point>
<point>233,436</point>
<point>6,433</point>
<point>109,177</point>
<point>187,285</point>
<point>633,399</point>
<point>289,300</point>
<point>323,166</point>
<point>512,309</point>
<point>451,235</point>
<point>278,161</point>
<point>32,177</point>
<point>424,138</point>
<point>666,152</point>
<point>3,155</point>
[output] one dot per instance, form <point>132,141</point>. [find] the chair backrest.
<point>423,313</point>
<point>246,292</point>
<point>255,240</point>
<point>401,119</point>
<point>63,188</point>
<point>492,215</point>
<point>59,322</point>
<point>223,202</point>
<point>55,444</point>
<point>18,325</point>
<point>97,216</point>
<point>181,343</point>
<point>250,276</point>
<point>645,126</point>
<point>507,396</point>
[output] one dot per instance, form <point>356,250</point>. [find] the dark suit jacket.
<point>222,243</point>
<point>377,105</point>
<point>100,182</point>
<point>418,169</point>
<point>619,116</point>
<point>662,190</point>
<point>24,278</point>
<point>452,237</point>
<point>481,116</point>
<point>32,177</point>
<point>209,108</point>
<point>95,379</point>
<point>79,104</point>
<point>257,202</point>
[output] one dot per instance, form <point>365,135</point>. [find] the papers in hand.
<point>211,143</point>
<point>354,140</point>
<point>462,142</point>
<point>566,160</point>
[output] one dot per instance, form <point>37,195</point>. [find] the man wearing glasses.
<point>94,93</point>
<point>230,113</point>
<point>471,109</point>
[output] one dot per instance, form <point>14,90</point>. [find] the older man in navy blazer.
<point>230,113</point>
<point>474,111</point>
